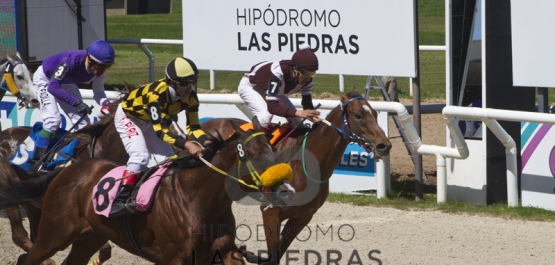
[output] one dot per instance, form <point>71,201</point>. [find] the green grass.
<point>403,195</point>
<point>132,64</point>
<point>429,202</point>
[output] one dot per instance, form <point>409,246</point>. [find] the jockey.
<point>143,121</point>
<point>56,80</point>
<point>266,87</point>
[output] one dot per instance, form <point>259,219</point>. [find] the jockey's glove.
<point>83,108</point>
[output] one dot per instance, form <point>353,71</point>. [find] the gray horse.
<point>17,78</point>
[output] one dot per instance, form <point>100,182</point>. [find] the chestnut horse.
<point>189,222</point>
<point>102,135</point>
<point>353,120</point>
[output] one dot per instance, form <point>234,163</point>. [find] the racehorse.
<point>190,220</point>
<point>101,137</point>
<point>353,120</point>
<point>17,78</point>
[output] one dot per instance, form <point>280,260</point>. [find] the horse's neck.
<point>327,144</point>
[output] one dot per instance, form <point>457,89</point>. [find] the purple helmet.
<point>102,52</point>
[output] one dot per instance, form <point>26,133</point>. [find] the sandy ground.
<point>372,235</point>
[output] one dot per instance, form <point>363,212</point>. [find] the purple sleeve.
<point>55,88</point>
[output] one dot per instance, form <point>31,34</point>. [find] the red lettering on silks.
<point>131,132</point>
<point>128,125</point>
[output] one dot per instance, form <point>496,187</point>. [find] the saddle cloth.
<point>107,188</point>
<point>276,130</point>
<point>25,151</point>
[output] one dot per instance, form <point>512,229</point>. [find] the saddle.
<point>25,151</point>
<point>105,192</point>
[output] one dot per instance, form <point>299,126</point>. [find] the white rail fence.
<point>142,44</point>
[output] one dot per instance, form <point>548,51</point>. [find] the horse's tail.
<point>25,191</point>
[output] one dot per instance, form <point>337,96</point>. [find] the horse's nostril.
<point>34,101</point>
<point>383,147</point>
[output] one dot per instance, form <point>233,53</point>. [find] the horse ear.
<point>256,124</point>
<point>18,55</point>
<point>10,58</point>
<point>129,87</point>
<point>344,97</point>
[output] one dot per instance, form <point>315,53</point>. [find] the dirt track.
<point>390,236</point>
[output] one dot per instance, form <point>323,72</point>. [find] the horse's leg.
<point>84,247</point>
<point>272,227</point>
<point>53,237</point>
<point>105,252</point>
<point>291,230</point>
<point>19,235</point>
<point>226,243</point>
<point>33,214</point>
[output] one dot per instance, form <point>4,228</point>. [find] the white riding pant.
<point>255,98</point>
<point>140,140</point>
<point>50,114</point>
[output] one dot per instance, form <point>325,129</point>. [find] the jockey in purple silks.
<point>56,83</point>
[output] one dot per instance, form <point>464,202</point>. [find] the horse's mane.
<point>217,143</point>
<point>351,94</point>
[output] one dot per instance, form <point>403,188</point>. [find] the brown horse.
<point>190,220</point>
<point>101,136</point>
<point>353,120</point>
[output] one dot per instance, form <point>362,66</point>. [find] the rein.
<point>240,148</point>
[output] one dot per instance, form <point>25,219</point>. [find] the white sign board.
<point>533,35</point>
<point>371,37</point>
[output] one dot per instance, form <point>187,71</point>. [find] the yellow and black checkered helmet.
<point>181,69</point>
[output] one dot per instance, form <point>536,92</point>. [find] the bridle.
<point>10,82</point>
<point>241,150</point>
<point>346,132</point>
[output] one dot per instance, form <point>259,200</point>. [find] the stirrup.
<point>38,168</point>
<point>120,208</point>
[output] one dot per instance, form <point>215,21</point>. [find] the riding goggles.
<point>98,65</point>
<point>184,82</point>
<point>307,73</point>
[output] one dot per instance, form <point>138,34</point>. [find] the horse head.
<point>360,125</point>
<point>19,81</point>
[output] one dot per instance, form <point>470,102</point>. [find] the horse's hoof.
<point>250,257</point>
<point>105,253</point>
<point>21,259</point>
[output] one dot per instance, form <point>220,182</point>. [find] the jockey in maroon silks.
<point>266,87</point>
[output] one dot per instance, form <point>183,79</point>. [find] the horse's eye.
<point>358,116</point>
<point>20,77</point>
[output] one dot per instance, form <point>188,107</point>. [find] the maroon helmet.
<point>305,58</point>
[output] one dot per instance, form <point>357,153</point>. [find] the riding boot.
<point>124,204</point>
<point>41,148</point>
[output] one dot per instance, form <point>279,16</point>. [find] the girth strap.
<point>129,234</point>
